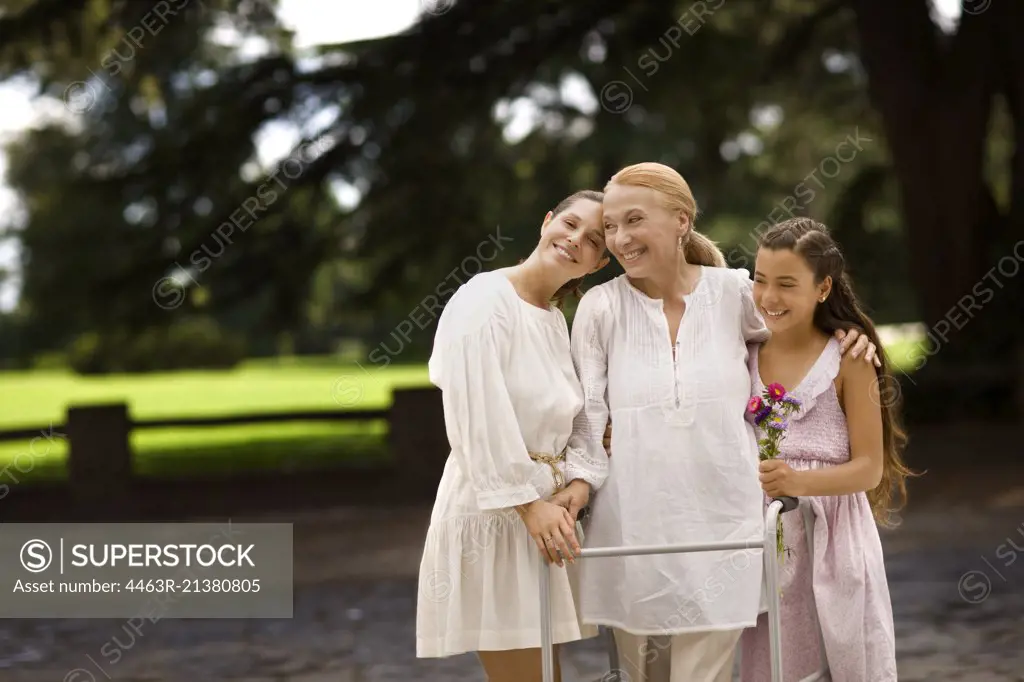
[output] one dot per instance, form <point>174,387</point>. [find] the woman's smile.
<point>565,253</point>
<point>632,255</point>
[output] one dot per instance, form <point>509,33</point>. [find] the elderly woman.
<point>662,352</point>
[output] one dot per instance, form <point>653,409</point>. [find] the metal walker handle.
<point>779,505</point>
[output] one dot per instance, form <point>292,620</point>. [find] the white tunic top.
<point>509,388</point>
<point>684,460</point>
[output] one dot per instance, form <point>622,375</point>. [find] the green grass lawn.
<point>38,398</point>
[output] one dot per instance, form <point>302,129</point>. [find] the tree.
<point>938,99</point>
<point>414,130</point>
<point>412,126</point>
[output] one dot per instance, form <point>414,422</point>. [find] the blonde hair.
<point>676,195</point>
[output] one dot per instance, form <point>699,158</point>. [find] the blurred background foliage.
<point>416,152</point>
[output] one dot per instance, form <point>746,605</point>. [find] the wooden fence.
<point>100,458</point>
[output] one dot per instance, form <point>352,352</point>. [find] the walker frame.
<point>778,505</point>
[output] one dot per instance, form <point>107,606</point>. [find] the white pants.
<point>691,657</point>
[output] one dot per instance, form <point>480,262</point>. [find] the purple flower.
<point>762,414</point>
<point>790,400</point>
<point>775,421</point>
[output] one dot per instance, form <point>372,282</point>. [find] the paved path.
<point>355,597</point>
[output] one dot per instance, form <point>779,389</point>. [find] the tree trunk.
<point>935,104</point>
<point>1010,48</point>
<point>935,95</point>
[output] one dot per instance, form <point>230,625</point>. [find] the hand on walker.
<point>861,344</point>
<point>553,530</point>
<point>779,480</point>
<point>573,497</point>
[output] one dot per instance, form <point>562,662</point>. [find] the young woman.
<point>501,359</point>
<point>662,350</point>
<point>841,453</point>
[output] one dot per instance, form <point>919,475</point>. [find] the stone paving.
<point>957,584</point>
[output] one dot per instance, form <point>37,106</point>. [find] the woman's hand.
<point>861,344</point>
<point>573,497</point>
<point>552,529</point>
<point>607,440</point>
<point>779,480</point>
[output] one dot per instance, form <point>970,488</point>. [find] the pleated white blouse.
<point>509,388</point>
<point>684,460</point>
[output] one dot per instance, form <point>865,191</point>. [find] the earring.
<point>822,299</point>
<point>680,242</point>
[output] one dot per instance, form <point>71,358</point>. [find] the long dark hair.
<point>572,287</point>
<point>841,310</point>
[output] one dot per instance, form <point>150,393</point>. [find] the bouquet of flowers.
<point>770,411</point>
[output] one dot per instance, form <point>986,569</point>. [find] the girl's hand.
<point>573,497</point>
<point>779,480</point>
<point>607,440</point>
<point>553,530</point>
<point>861,344</point>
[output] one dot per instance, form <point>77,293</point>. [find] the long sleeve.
<point>474,338</point>
<point>754,329</point>
<point>586,458</point>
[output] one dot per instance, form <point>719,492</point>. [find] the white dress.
<point>509,388</point>
<point>684,460</point>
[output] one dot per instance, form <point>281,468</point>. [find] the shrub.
<point>195,343</point>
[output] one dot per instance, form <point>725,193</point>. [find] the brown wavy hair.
<point>677,196</point>
<point>841,310</point>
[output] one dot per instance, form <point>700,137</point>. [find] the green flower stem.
<point>769,448</point>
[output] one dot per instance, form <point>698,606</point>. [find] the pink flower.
<point>776,391</point>
<point>755,404</point>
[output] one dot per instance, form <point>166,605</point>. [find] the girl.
<point>501,359</point>
<point>841,452</point>
<point>663,349</point>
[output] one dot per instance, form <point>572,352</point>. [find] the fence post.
<point>100,455</point>
<point>418,438</point>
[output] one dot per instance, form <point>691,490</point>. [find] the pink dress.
<point>849,583</point>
